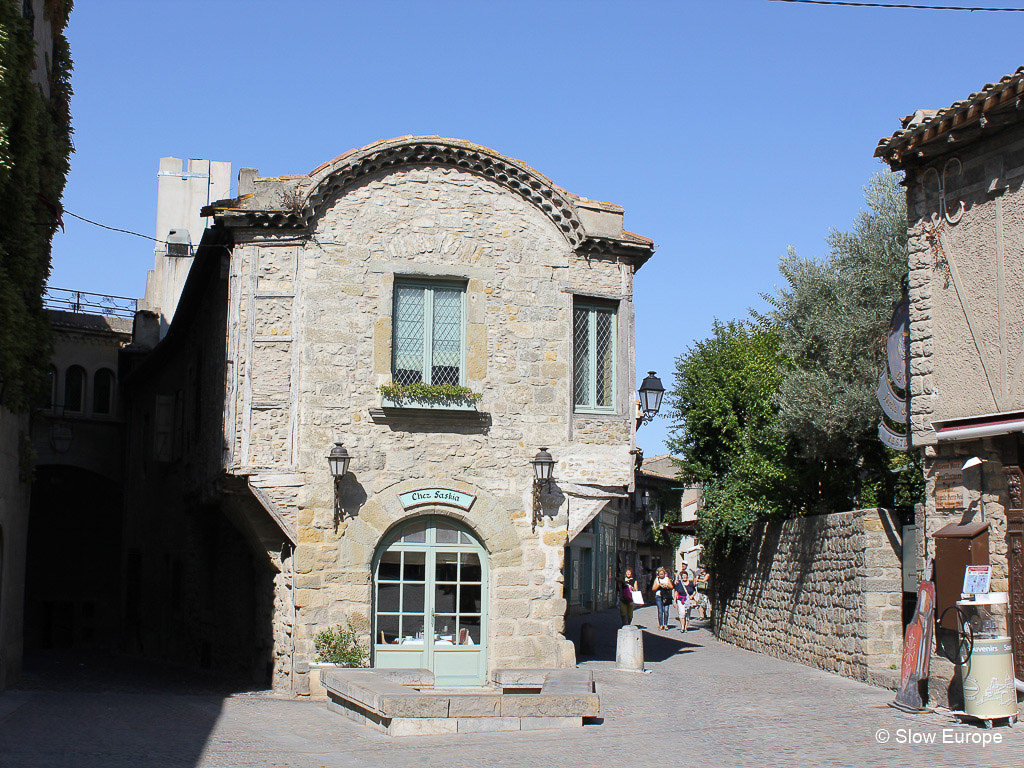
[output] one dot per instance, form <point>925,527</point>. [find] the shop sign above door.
<point>446,496</point>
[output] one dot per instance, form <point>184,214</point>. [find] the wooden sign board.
<point>917,650</point>
<point>949,487</point>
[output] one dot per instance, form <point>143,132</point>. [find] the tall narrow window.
<point>427,333</point>
<point>593,336</point>
<point>103,392</point>
<point>74,389</point>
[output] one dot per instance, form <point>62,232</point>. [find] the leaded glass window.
<point>427,333</point>
<point>593,336</point>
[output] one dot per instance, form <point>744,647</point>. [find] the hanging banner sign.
<point>894,440</point>
<point>444,496</point>
<point>895,407</point>
<point>897,343</point>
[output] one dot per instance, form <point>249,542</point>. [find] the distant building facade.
<point>431,264</point>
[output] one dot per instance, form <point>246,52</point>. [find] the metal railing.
<point>85,303</point>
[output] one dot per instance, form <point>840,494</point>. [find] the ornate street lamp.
<point>651,391</point>
<point>543,466</point>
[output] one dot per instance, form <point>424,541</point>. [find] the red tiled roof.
<point>995,105</point>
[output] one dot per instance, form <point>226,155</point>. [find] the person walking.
<point>628,585</point>
<point>702,599</point>
<point>662,587</point>
<point>684,589</point>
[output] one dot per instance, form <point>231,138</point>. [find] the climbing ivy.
<point>35,146</point>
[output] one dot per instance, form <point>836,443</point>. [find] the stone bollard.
<point>629,649</point>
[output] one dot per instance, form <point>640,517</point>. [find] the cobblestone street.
<point>703,704</point>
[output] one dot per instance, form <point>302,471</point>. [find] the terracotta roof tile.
<point>926,125</point>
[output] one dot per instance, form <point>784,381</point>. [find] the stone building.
<point>442,311</point>
<point>964,167</point>
<point>73,570</point>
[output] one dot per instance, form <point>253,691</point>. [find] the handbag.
<point>638,597</point>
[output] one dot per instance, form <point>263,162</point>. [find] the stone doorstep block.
<point>569,675</point>
<point>520,678</point>
<point>546,723</point>
<point>549,705</point>
<point>422,726</point>
<point>483,705</point>
<point>357,715</point>
<point>487,724</point>
<point>412,704</point>
<point>409,676</point>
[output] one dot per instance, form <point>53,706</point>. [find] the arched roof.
<point>295,201</point>
<point>515,175</point>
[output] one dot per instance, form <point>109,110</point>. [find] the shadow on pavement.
<point>95,710</point>
<point>658,646</point>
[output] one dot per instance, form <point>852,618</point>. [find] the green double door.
<point>430,601</point>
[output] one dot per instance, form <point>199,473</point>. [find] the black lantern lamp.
<point>338,460</point>
<point>543,466</point>
<point>651,391</point>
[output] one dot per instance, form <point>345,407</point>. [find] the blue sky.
<point>729,129</point>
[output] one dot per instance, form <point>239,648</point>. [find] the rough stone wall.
<point>310,341</point>
<point>14,499</point>
<point>966,266</point>
<point>824,591</point>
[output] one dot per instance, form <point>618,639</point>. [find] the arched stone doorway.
<point>430,584</point>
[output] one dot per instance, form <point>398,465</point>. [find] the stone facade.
<point>304,269</point>
<point>824,591</point>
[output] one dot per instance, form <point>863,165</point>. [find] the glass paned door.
<point>430,601</point>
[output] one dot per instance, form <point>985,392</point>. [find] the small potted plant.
<point>335,647</point>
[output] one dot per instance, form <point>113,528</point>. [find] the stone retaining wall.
<point>825,591</point>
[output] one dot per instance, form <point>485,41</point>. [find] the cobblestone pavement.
<point>704,703</point>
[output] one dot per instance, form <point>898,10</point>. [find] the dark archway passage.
<point>73,565</point>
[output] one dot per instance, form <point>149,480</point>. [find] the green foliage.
<point>338,645</point>
<point>35,144</point>
<point>779,418</point>
<point>722,403</point>
<point>832,319</point>
<point>442,394</point>
<point>669,501</point>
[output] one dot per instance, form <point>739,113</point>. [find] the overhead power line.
<point>899,5</point>
<point>112,229</point>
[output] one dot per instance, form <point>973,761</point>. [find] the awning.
<point>973,427</point>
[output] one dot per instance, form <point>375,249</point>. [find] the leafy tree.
<point>35,143</point>
<point>724,413</point>
<point>832,319</point>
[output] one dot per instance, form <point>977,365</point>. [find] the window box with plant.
<point>428,353</point>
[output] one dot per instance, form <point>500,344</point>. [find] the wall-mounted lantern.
<point>651,391</point>
<point>338,459</point>
<point>543,467</point>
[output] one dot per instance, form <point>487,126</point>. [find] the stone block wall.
<point>310,340</point>
<point>824,591</point>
